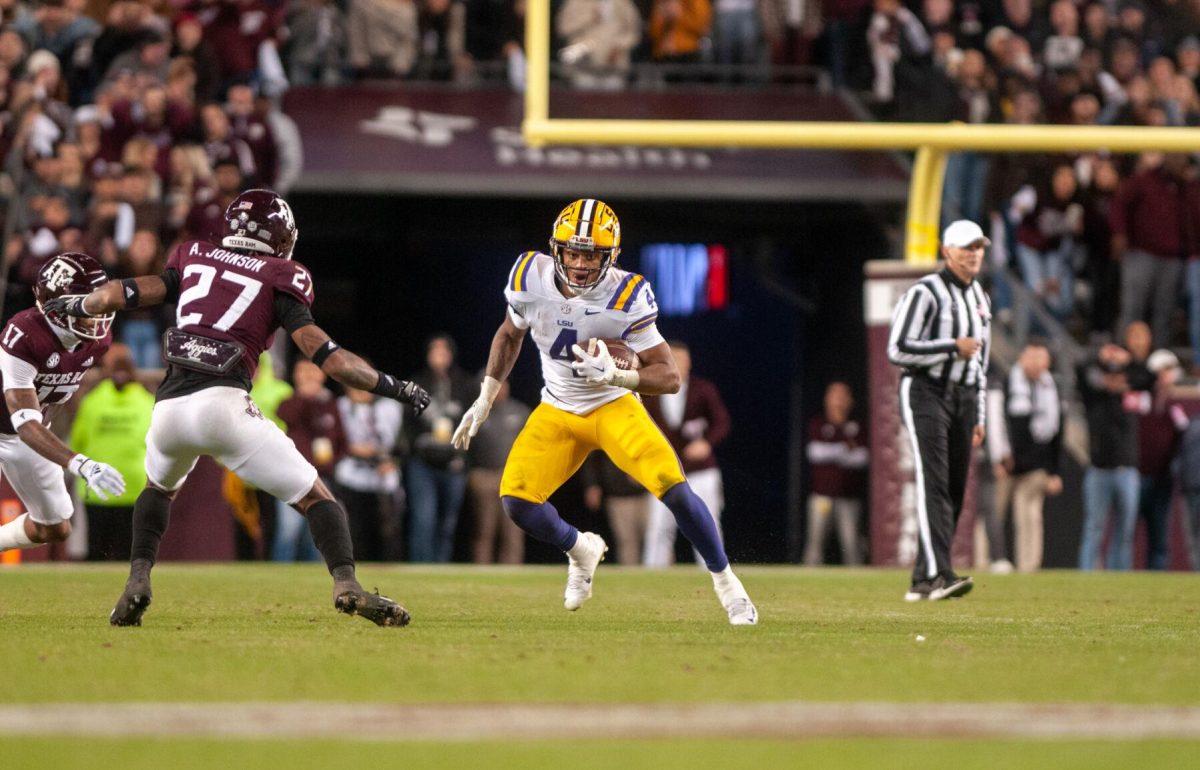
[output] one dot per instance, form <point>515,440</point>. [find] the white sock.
<point>580,548</point>
<point>725,581</point>
<point>12,535</point>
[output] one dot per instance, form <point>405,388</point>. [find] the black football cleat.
<point>950,587</point>
<point>380,610</point>
<point>131,605</point>
<point>919,591</point>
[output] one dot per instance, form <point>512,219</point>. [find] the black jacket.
<point>1112,426</point>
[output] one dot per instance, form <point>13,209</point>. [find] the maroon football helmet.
<point>262,222</point>
<point>72,274</point>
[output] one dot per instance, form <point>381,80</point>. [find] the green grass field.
<point>493,636</point>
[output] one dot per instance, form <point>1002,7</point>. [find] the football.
<point>622,355</point>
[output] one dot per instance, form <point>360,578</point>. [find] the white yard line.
<point>568,721</point>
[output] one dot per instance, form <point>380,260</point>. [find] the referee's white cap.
<point>963,233</point>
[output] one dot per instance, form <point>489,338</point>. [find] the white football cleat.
<point>733,597</point>
<point>589,551</point>
<point>742,611</point>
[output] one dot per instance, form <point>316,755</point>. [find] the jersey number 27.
<point>207,273</point>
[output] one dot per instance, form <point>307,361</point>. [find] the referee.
<point>940,335</point>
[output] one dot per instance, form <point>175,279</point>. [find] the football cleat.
<point>918,592</point>
<point>950,587</point>
<point>133,602</point>
<point>580,571</point>
<point>742,612</point>
<point>380,610</point>
<point>586,225</point>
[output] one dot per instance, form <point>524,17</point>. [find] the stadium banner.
<point>461,141</point>
<point>893,519</point>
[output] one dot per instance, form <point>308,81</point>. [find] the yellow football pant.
<point>553,444</point>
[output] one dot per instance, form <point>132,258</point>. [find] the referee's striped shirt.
<point>933,313</point>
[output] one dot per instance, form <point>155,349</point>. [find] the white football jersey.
<point>621,306</point>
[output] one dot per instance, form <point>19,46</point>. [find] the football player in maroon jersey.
<point>230,300</point>
<point>43,357</point>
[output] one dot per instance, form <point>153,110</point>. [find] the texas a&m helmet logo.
<point>260,221</point>
<point>283,212</point>
<point>59,274</point>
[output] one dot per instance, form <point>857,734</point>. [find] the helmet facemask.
<point>94,328</point>
<point>558,250</point>
<point>590,227</point>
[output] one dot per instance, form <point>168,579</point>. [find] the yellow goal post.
<point>932,141</point>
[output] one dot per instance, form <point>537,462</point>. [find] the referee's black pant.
<point>940,419</point>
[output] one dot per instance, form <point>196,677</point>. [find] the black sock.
<point>330,529</point>
<point>151,513</point>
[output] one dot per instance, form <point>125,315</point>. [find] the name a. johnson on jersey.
<point>228,257</point>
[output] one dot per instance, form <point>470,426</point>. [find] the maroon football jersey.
<point>28,336</point>
<point>229,296</point>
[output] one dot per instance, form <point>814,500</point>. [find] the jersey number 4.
<point>561,349</point>
<point>206,273</point>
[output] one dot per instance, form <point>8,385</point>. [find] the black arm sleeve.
<point>291,313</point>
<point>170,278</point>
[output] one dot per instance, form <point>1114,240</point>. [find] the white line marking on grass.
<point>362,721</point>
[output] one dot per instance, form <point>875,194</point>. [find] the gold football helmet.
<point>586,225</point>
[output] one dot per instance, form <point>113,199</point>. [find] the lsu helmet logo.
<point>60,274</point>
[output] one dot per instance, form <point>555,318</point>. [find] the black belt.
<point>946,384</point>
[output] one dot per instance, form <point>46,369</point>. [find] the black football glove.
<point>404,391</point>
<point>413,394</point>
<point>71,305</point>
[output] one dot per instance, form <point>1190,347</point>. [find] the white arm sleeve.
<point>17,372</point>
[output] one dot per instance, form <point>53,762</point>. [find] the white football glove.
<point>476,414</point>
<point>103,479</point>
<point>597,367</point>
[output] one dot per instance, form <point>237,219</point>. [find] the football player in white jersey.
<point>567,297</point>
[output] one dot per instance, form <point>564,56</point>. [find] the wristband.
<point>324,352</point>
<point>489,389</point>
<point>22,416</point>
<point>388,386</point>
<point>629,379</point>
<point>129,290</point>
<point>75,464</point>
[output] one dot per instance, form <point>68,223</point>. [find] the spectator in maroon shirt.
<point>237,28</point>
<point>1161,422</point>
<point>1048,239</point>
<point>312,418</point>
<point>1155,219</point>
<point>837,456</point>
<point>154,117</point>
<point>249,125</point>
<point>190,43</point>
<point>314,425</point>
<point>207,217</point>
<point>221,145</point>
<point>695,421</point>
